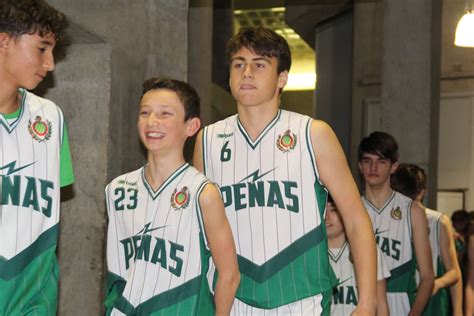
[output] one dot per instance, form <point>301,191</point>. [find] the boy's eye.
<point>260,65</point>
<point>42,49</point>
<point>238,65</point>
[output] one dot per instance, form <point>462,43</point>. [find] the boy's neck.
<point>378,195</point>
<point>255,118</point>
<point>161,168</point>
<point>10,99</point>
<point>337,242</point>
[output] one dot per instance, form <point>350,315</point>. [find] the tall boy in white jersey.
<point>166,219</point>
<point>410,180</point>
<point>274,168</point>
<point>344,298</point>
<point>34,159</point>
<point>400,227</point>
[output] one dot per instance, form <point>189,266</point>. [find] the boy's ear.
<point>193,126</point>
<point>4,41</point>
<point>394,167</point>
<point>282,79</point>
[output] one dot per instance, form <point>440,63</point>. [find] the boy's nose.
<point>248,71</point>
<point>48,63</point>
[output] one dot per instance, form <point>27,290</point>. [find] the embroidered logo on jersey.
<point>286,142</point>
<point>396,213</point>
<point>40,130</point>
<point>180,199</point>
<point>224,135</point>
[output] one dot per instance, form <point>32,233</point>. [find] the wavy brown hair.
<point>18,17</point>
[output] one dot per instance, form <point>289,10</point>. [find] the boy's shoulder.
<point>127,179</point>
<point>35,102</point>
<point>228,122</point>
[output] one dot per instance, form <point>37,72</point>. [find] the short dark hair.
<point>186,93</point>
<point>380,144</point>
<point>18,17</point>
<point>459,216</point>
<point>460,220</point>
<point>261,41</point>
<point>409,180</point>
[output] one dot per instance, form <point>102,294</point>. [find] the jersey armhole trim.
<point>199,212</point>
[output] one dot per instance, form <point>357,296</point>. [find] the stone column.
<point>410,81</point>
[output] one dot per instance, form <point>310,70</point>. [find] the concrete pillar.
<point>200,53</point>
<point>334,70</point>
<point>410,81</point>
<point>200,60</point>
<point>366,68</point>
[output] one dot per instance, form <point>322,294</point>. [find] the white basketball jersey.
<point>345,297</point>
<point>275,205</point>
<point>157,253</point>
<point>392,225</point>
<point>434,223</point>
<point>30,187</point>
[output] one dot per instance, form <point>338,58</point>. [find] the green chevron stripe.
<point>282,259</point>
<point>12,267</point>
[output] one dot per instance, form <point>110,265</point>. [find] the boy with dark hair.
<point>410,180</point>
<point>275,168</point>
<point>344,298</point>
<point>166,219</point>
<point>35,161</point>
<point>394,218</point>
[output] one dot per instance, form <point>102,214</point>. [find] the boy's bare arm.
<point>423,258</point>
<point>222,247</point>
<point>452,276</point>
<point>336,176</point>
<point>382,304</point>
<point>197,156</point>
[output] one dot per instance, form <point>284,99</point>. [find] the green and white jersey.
<point>439,304</point>
<point>345,297</point>
<point>275,204</point>
<point>157,253</point>
<point>34,164</point>
<point>393,233</point>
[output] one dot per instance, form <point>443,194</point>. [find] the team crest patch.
<point>40,129</point>
<point>287,141</point>
<point>396,213</point>
<point>180,199</point>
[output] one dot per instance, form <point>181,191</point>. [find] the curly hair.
<point>186,93</point>
<point>18,17</point>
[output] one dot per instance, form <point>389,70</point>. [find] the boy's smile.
<point>161,123</point>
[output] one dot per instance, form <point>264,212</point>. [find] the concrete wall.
<point>115,46</point>
<point>399,64</point>
<point>334,68</point>
<point>456,151</point>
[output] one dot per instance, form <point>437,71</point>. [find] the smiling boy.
<point>34,159</point>
<point>166,219</point>
<point>274,168</point>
